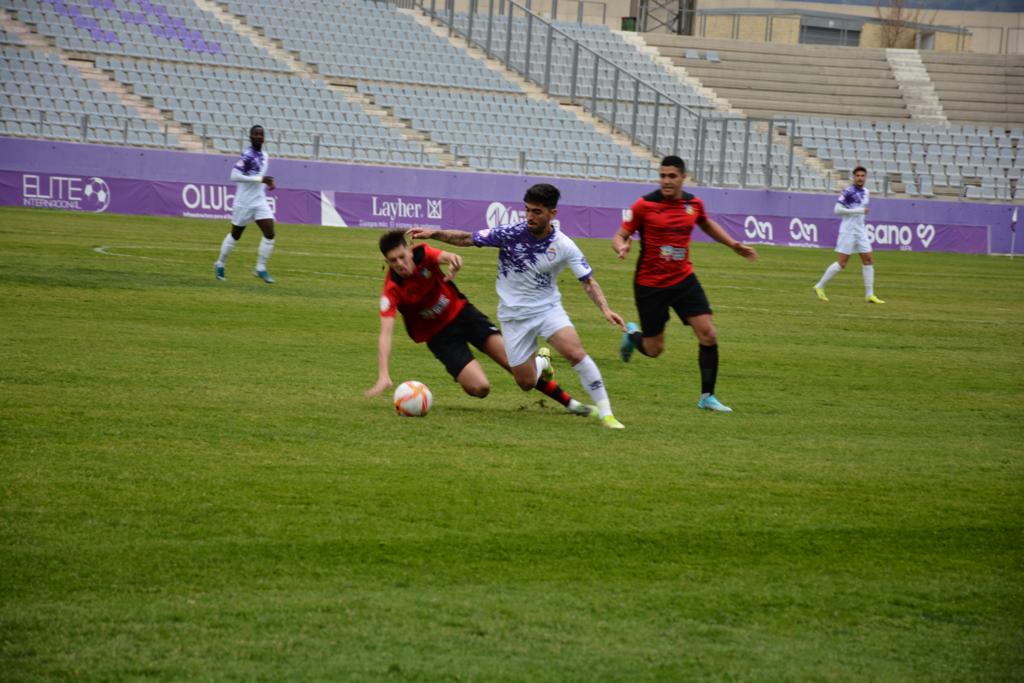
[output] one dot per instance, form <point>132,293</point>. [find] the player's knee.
<point>575,356</point>
<point>526,384</point>
<point>708,338</point>
<point>477,390</point>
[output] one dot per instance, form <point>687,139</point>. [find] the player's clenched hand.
<point>421,233</point>
<point>454,265</point>
<point>621,248</point>
<point>382,384</point>
<point>745,251</point>
<point>268,180</point>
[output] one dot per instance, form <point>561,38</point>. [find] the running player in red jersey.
<point>664,273</point>
<point>436,312</point>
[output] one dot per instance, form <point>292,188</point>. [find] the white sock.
<point>869,280</point>
<point>830,273</point>
<point>225,249</point>
<point>541,364</point>
<point>264,252</point>
<point>592,382</point>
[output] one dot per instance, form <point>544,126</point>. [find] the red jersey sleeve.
<point>634,218</point>
<point>431,257</point>
<point>698,207</point>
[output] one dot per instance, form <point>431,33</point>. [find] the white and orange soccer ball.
<point>413,399</point>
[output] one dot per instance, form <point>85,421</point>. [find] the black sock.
<point>638,341</point>
<point>708,360</point>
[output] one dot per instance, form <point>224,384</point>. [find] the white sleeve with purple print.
<point>493,237</point>
<point>252,164</point>
<point>574,258</point>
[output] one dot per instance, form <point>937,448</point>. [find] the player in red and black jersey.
<point>665,280</point>
<point>436,312</point>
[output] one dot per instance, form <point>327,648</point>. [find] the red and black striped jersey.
<point>427,303</point>
<point>665,226</point>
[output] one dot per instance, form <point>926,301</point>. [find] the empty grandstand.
<point>527,96</point>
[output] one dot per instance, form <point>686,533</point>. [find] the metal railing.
<point>51,125</point>
<point>648,116</point>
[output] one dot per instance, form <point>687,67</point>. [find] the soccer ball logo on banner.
<point>96,195</point>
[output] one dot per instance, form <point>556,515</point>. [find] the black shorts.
<point>686,298</point>
<point>451,345</point>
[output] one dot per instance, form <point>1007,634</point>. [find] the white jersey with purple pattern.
<point>248,175</point>
<point>853,197</point>
<point>527,268</point>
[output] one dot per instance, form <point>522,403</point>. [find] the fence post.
<point>723,136</point>
<point>654,129</point>
<point>636,107</point>
<point>547,59</point>
<point>615,98</point>
<point>490,26</point>
<point>792,151</point>
<point>529,39</point>
<point>593,85</point>
<point>575,71</point>
<point>746,153</point>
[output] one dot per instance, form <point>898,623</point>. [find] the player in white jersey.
<point>252,182</point>
<point>531,254</point>
<point>853,237</point>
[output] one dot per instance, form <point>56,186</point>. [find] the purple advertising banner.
<point>794,231</point>
<point>404,211</point>
<point>83,177</point>
<point>94,194</point>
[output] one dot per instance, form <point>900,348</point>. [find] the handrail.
<point>661,98</point>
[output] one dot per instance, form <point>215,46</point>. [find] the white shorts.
<point>853,243</point>
<point>521,335</point>
<point>243,215</point>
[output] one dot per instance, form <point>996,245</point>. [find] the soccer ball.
<point>413,399</point>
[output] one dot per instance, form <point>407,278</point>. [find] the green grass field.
<point>193,486</point>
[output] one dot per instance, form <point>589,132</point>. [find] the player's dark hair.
<point>673,160</point>
<point>392,239</point>
<point>543,194</point>
<point>859,168</point>
<point>251,130</point>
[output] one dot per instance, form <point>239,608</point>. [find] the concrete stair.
<point>915,86</point>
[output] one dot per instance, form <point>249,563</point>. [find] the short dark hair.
<point>543,194</point>
<point>673,160</point>
<point>860,168</point>
<point>392,239</point>
<point>251,130</point>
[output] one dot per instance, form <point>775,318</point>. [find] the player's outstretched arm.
<point>841,210</point>
<point>593,290</point>
<point>621,243</point>
<point>387,328</point>
<point>718,233</point>
<point>458,238</point>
